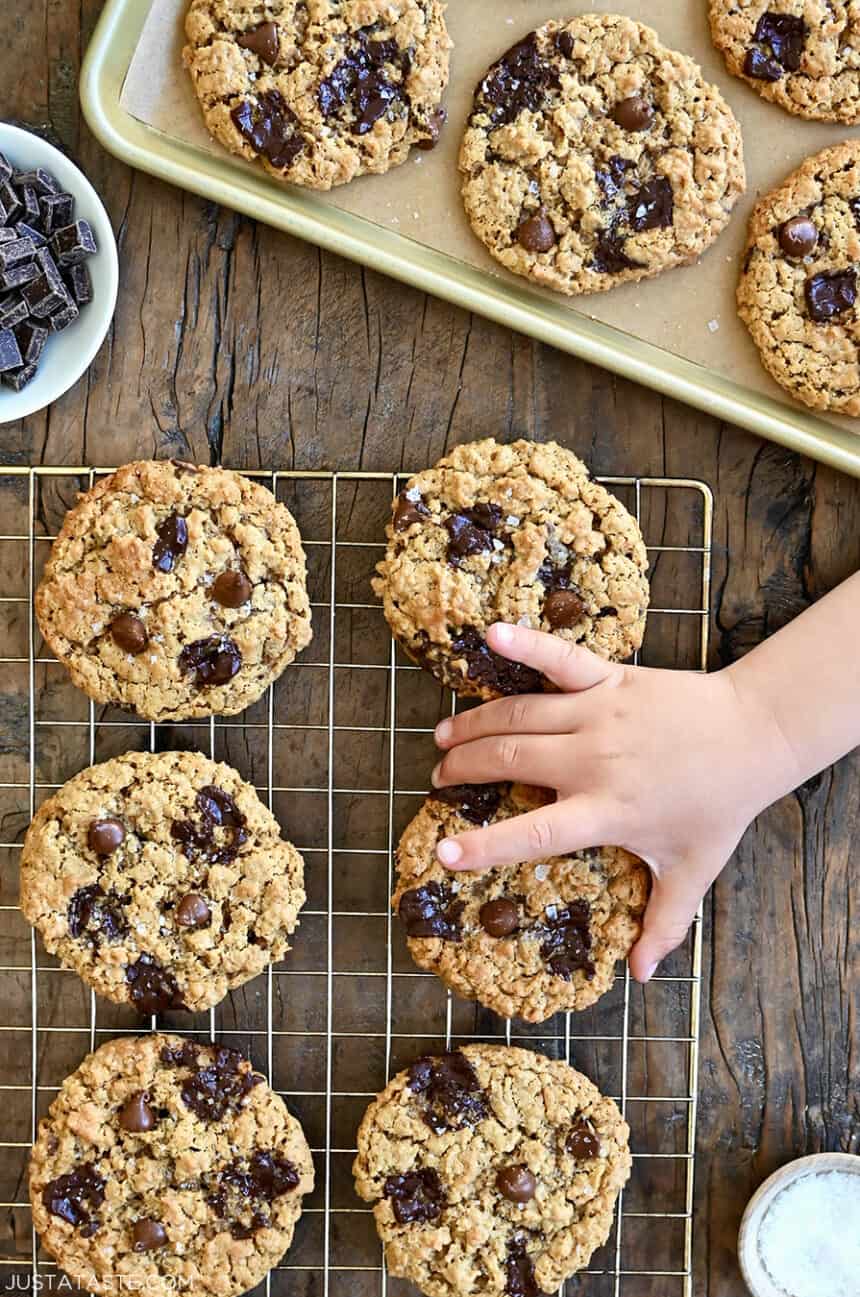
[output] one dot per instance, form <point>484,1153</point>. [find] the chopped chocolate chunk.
<point>475,802</point>
<point>136,1116</point>
<point>184,1055</point>
<point>563,609</point>
<point>516,1183</point>
<point>433,126</point>
<point>152,988</point>
<point>653,206</point>
<point>360,83</point>
<point>566,940</point>
<point>231,589</point>
<point>172,542</point>
<point>80,284</point>
<point>17,276</point>
<point>13,311</point>
<point>489,669</point>
<point>830,294</point>
<point>451,1090</point>
<point>798,237</point>
<point>64,317</point>
<point>10,352</point>
<point>96,913</point>
<point>31,339</point>
<point>408,511</point>
<point>147,1235</point>
<point>609,257</point>
<point>500,918</point>
<point>416,1196</point>
<point>25,230</point>
<point>261,40</point>
<point>219,1087</point>
<point>74,1198</point>
<point>73,243</point>
<point>611,178</point>
<point>57,211</point>
<point>30,202</point>
<point>536,233</point>
<point>39,179</point>
<point>634,113</point>
<point>217,810</point>
<point>522,79</point>
<point>270,127</point>
<point>5,167</point>
<point>564,44</point>
<point>520,1271</point>
<point>854,204</point>
<point>11,206</point>
<point>193,912</point>
<point>104,836</point>
<point>582,1142</point>
<point>432,911</point>
<point>214,660</point>
<point>129,633</point>
<point>259,1179</point>
<point>471,531</point>
<point>783,37</point>
<point>17,250</point>
<point>19,378</point>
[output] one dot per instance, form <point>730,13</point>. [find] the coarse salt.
<point>713,325</point>
<point>812,1229</point>
<point>541,873</point>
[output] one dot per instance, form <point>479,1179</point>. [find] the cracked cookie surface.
<point>492,1171</point>
<point>320,91</point>
<point>175,591</point>
<point>797,292</point>
<point>801,54</point>
<point>161,879</point>
<point>518,533</point>
<point>165,1166</point>
<point>594,155</point>
<point>526,940</point>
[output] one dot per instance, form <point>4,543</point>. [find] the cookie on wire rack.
<point>491,1170</point>
<point>165,1166</point>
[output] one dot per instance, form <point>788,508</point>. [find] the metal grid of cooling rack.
<point>367,982</point>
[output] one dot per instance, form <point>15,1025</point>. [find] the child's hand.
<point>671,765</point>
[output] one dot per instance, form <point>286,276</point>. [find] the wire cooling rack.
<point>341,749</point>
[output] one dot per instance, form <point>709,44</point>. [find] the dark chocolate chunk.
<point>416,1196</point>
<point>152,988</point>
<point>80,284</point>
<point>231,589</point>
<point>451,1090</point>
<point>184,1055</point>
<point>25,230</point>
<point>31,339</point>
<point>7,235</point>
<point>609,257</point>
<point>172,542</point>
<point>148,1235</point>
<point>783,36</point>
<point>830,294</point>
<point>261,40</point>
<point>270,127</point>
<point>362,82</point>
<point>536,233</point>
<point>136,1115</point>
<point>129,633</point>
<point>75,1197</point>
<point>489,669</point>
<point>564,44</point>
<point>653,207</point>
<point>259,1179</point>
<point>566,940</point>
<point>17,250</point>
<point>96,914</point>
<point>57,211</point>
<point>193,912</point>
<point>73,243</point>
<point>611,178</point>
<point>10,352</point>
<point>563,609</point>
<point>634,113</point>
<point>17,276</point>
<point>500,918</point>
<point>522,79</point>
<point>19,378</point>
<point>11,207</point>
<point>64,317</point>
<point>471,531</point>
<point>520,1271</point>
<point>853,203</point>
<point>475,802</point>
<point>582,1143</point>
<point>433,126</point>
<point>39,179</point>
<point>516,1183</point>
<point>217,810</point>
<point>30,203</point>
<point>46,293</point>
<point>407,512</point>
<point>761,67</point>
<point>214,660</point>
<point>432,911</point>
<point>104,836</point>
<point>13,311</point>
<point>5,167</point>
<point>219,1087</point>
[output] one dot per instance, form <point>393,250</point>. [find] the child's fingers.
<point>525,714</point>
<point>526,758</point>
<point>571,825</point>
<point>671,909</point>
<point>569,666</point>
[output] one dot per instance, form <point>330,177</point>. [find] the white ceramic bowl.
<point>68,354</point>
<point>755,1275</point>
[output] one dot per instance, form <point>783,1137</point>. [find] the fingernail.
<point>502,633</point>
<point>434,778</point>
<point>449,852</point>
<point>443,731</point>
<point>651,970</point>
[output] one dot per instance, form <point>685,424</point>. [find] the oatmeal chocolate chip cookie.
<point>517,533</point>
<point>594,155</point>
<point>492,1171</point>
<point>176,591</point>
<point>798,288</point>
<point>802,54</point>
<point>161,879</point>
<point>165,1166</point>
<point>320,91</point>
<point>526,940</point>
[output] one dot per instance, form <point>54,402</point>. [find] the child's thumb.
<point>670,912</point>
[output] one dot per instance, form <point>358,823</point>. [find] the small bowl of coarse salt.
<point>800,1233</point>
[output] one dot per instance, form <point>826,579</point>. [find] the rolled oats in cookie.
<point>176,591</point>
<point>594,155</point>
<point>162,880</point>
<point>167,1166</point>
<point>801,54</point>
<point>492,1170</point>
<point>320,91</point>
<point>798,287</point>
<point>519,533</point>
<point>526,940</point>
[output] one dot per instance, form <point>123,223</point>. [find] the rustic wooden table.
<point>233,343</point>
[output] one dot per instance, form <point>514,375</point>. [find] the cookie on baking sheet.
<point>164,1167</point>
<point>526,940</point>
<point>798,287</point>
<point>161,879</point>
<point>176,591</point>
<point>320,93</point>
<point>594,155</point>
<point>800,54</point>
<point>491,1170</point>
<point>519,533</point>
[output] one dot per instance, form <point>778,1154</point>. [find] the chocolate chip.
<point>566,940</point>
<point>582,1143</point>
<point>653,207</point>
<point>193,912</point>
<point>633,114</point>
<point>451,1090</point>
<point>564,44</point>
<point>408,511</point>
<point>612,177</point>
<point>152,988</point>
<point>217,810</point>
<point>434,130</point>
<point>783,36</point>
<point>500,918</point>
<point>214,660</point>
<point>96,914</point>
<point>136,1116</point>
<point>261,40</point>
<point>220,1087</point>
<point>171,544</point>
<point>477,803</point>
<point>471,531</point>
<point>829,295</point>
<point>432,911</point>
<point>490,670</point>
<point>104,836</point>
<point>75,1196</point>
<point>798,237</point>
<point>231,589</point>
<point>129,633</point>
<point>270,127</point>
<point>563,609</point>
<point>536,233</point>
<point>520,1271</point>
<point>148,1234</point>
<point>522,79</point>
<point>417,1196</point>
<point>516,1183</point>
